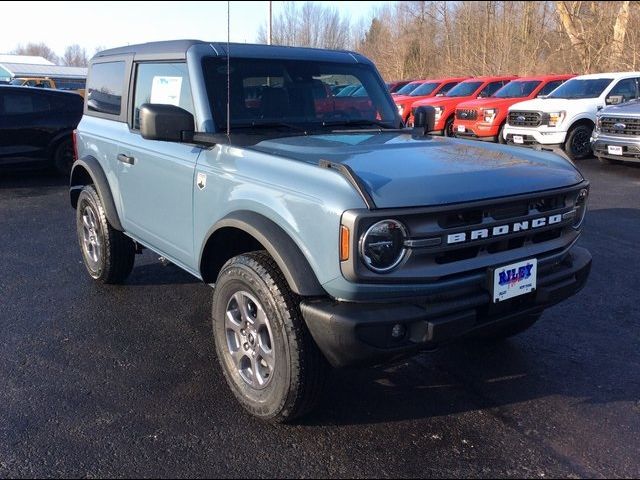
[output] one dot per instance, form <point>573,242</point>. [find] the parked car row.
<point>557,112</point>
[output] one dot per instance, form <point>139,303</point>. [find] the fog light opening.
<point>398,331</point>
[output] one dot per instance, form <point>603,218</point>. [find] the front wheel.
<point>578,143</point>
<point>501,139</point>
<point>448,127</point>
<point>268,357</point>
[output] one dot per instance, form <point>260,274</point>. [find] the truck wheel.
<point>512,329</point>
<point>63,157</point>
<point>108,254</point>
<point>268,357</point>
<point>448,128</point>
<point>501,139</point>
<point>577,145</point>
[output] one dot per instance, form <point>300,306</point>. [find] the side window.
<point>447,87</point>
<point>165,83</point>
<point>25,103</point>
<point>46,84</point>
<point>550,87</point>
<point>492,88</point>
<point>625,88</point>
<point>105,87</point>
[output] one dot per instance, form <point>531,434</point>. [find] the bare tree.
<point>75,56</point>
<point>309,24</point>
<point>38,50</point>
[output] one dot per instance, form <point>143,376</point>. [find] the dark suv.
<point>36,127</point>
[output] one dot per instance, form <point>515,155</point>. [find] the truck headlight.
<point>555,118</point>
<point>598,123</point>
<point>490,115</point>
<point>400,110</point>
<point>382,246</point>
<point>439,112</point>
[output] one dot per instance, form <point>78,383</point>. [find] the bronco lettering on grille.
<point>503,229</point>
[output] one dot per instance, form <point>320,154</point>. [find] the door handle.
<point>126,159</point>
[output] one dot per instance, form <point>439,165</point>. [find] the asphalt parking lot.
<point>119,381</point>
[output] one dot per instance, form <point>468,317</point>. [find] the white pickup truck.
<point>566,117</point>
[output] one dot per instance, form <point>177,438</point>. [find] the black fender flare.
<point>97,177</point>
<point>286,253</point>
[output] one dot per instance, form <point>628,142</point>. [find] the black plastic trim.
<point>290,259</point>
<point>348,173</point>
<point>99,180</point>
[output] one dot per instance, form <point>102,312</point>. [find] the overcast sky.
<point>112,24</point>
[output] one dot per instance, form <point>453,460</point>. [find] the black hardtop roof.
<point>174,49</point>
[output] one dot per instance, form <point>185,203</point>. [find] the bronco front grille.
<point>525,119</point>
<point>620,126</point>
<point>466,114</point>
<point>450,241</point>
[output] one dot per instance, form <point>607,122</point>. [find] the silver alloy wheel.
<point>249,340</point>
<point>91,240</point>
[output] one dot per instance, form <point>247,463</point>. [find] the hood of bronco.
<point>401,171</point>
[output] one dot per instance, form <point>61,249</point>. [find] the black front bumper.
<point>351,334</point>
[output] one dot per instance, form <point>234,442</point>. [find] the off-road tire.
<point>117,251</point>
<point>300,369</point>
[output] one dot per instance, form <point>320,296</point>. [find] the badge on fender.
<point>201,181</point>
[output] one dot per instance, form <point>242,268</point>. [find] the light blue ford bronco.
<point>331,234</point>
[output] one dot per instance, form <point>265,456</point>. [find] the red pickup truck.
<point>479,87</point>
<point>484,118</point>
<point>428,89</point>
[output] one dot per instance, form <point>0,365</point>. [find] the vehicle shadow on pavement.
<point>159,274</point>
<point>31,179</point>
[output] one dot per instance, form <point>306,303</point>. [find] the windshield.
<point>295,94</point>
<point>464,89</point>
<point>408,88</point>
<point>581,88</point>
<point>348,90</point>
<point>517,89</point>
<point>424,89</point>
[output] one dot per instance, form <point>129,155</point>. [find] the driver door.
<point>157,178</point>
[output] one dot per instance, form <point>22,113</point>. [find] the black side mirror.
<point>614,99</point>
<point>424,120</point>
<point>165,122</point>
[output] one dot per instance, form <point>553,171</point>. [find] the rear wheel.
<point>267,354</point>
<point>577,145</point>
<point>108,254</point>
<point>63,157</point>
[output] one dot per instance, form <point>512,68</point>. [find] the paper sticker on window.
<point>166,90</point>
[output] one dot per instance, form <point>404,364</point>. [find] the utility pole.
<point>269,24</point>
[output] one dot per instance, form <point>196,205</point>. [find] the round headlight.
<point>382,246</point>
